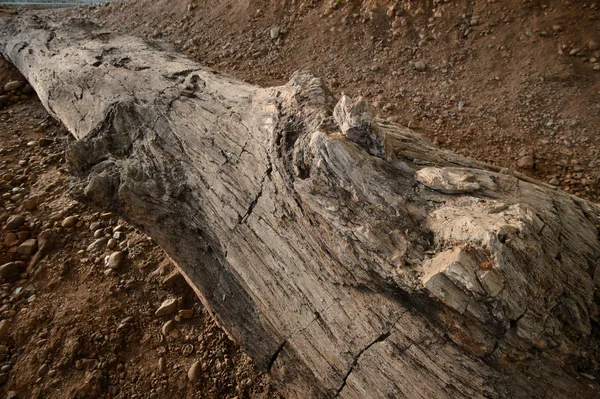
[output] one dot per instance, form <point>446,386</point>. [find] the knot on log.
<point>356,120</point>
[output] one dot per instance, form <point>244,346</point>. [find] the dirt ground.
<point>513,83</point>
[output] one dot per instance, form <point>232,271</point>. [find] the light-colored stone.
<point>194,372</point>
<point>420,66</point>
<point>169,306</point>
<point>69,221</point>
<point>13,85</point>
<point>167,327</point>
<point>98,245</point>
<point>275,32</point>
<point>115,259</point>
<point>186,313</point>
<point>111,244</point>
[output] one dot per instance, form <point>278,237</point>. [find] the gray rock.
<point>98,245</point>
<point>98,233</point>
<point>9,269</point>
<point>420,66</point>
<point>119,235</point>
<point>4,99</point>
<point>115,259</point>
<point>194,372</point>
<point>15,221</point>
<point>28,247</point>
<point>162,364</point>
<point>275,32</point>
<point>14,85</point>
<point>169,306</point>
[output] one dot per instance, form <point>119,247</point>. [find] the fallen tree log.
<point>346,254</point>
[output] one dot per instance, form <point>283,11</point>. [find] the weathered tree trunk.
<point>346,254</point>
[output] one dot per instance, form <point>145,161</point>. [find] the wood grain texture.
<point>346,254</point>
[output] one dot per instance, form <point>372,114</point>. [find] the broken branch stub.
<point>346,254</point>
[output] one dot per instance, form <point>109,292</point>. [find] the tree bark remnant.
<point>346,254</point>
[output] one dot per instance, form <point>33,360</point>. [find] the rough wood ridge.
<point>348,255</point>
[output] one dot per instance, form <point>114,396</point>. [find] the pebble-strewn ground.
<point>515,83</point>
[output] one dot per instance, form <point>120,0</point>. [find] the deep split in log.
<point>347,255</point>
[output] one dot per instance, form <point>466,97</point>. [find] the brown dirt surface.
<point>512,83</point>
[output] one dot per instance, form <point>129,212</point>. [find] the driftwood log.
<point>346,254</point>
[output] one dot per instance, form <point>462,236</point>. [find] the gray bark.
<point>347,255</point>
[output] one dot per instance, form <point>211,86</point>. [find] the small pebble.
<point>14,222</point>
<point>169,306</point>
<point>274,33</point>
<point>115,259</point>
<point>69,221</point>
<point>194,372</point>
<point>168,327</point>
<point>420,66</point>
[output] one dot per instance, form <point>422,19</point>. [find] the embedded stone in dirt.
<point>111,244</point>
<point>168,307</point>
<point>162,364</point>
<point>194,372</point>
<point>15,221</point>
<point>98,245</point>
<point>115,259</point>
<point>275,32</point>
<point>14,85</point>
<point>4,328</point>
<point>28,247</point>
<point>69,221</point>
<point>168,327</point>
<point>10,240</point>
<point>9,269</point>
<point>420,66</point>
<point>526,162</point>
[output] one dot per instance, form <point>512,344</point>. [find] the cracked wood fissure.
<point>346,254</point>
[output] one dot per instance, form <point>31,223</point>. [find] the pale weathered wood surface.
<point>347,255</point>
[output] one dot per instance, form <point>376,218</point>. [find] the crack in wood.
<point>380,338</point>
<point>275,355</point>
